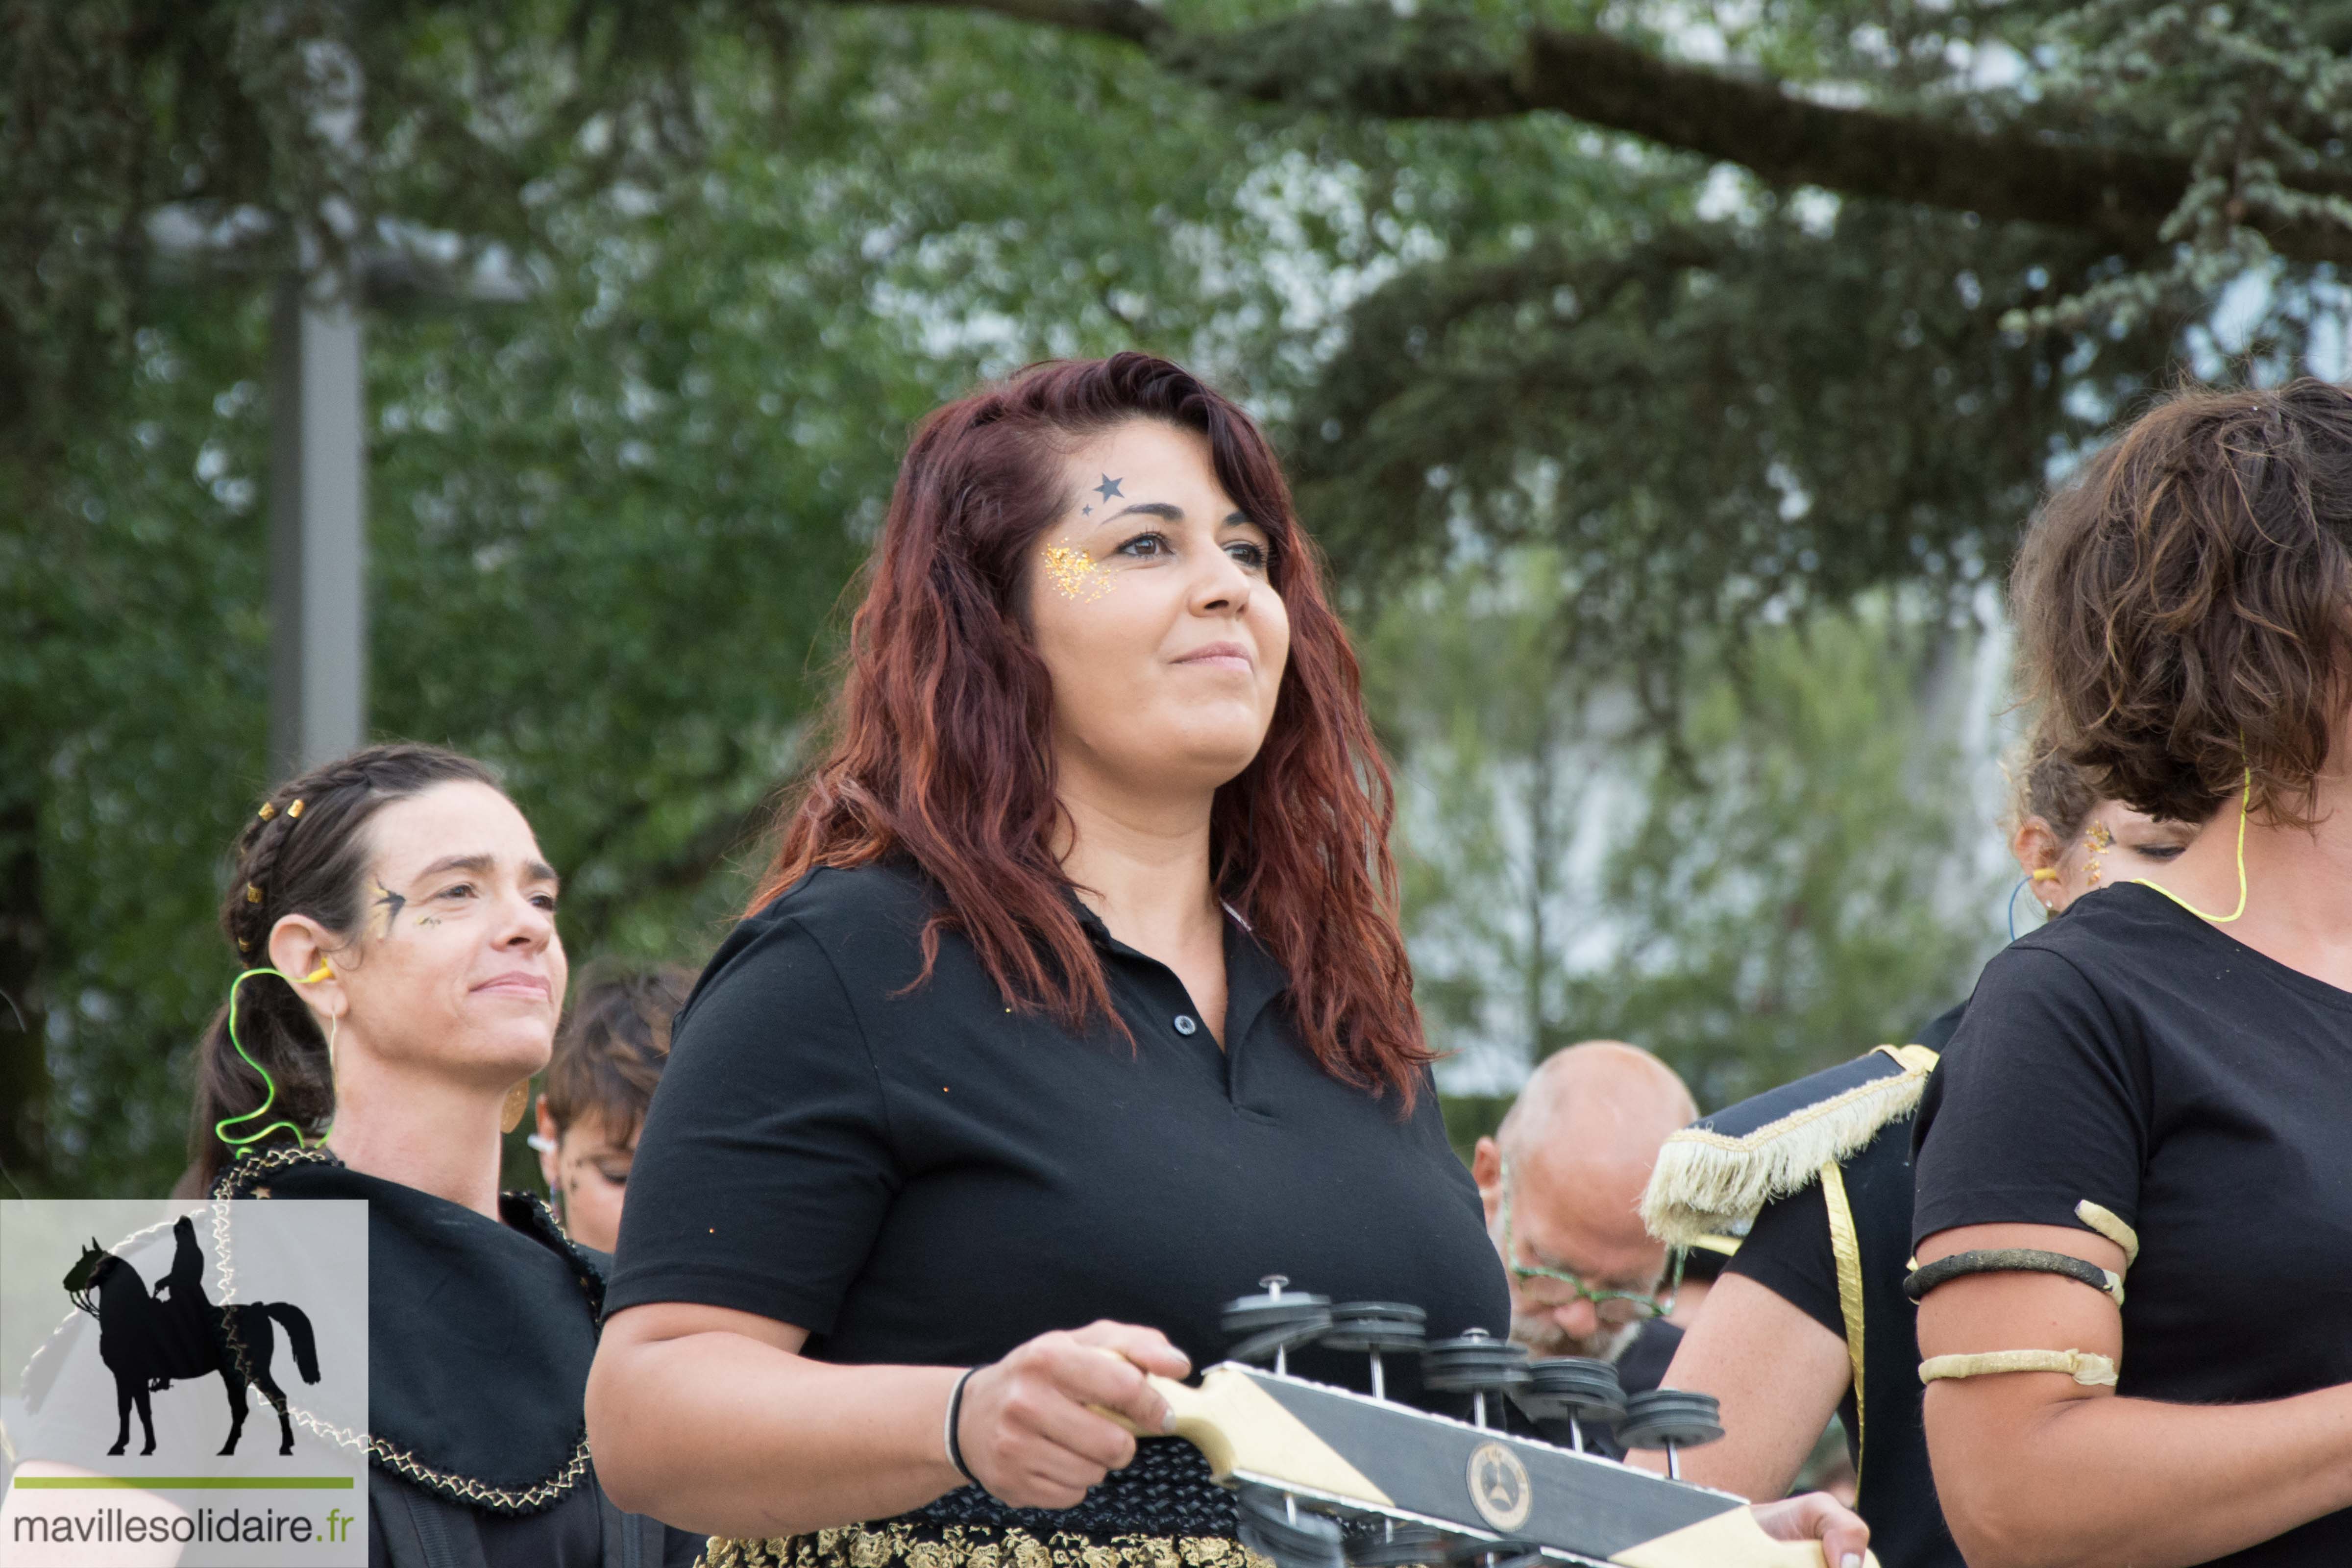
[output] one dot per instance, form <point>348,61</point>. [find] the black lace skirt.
<point>1161,1511</point>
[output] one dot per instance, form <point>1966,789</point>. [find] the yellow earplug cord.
<point>2245,808</point>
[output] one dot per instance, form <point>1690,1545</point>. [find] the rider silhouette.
<point>188,1325</point>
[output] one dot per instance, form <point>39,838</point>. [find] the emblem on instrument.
<point>1499,1486</point>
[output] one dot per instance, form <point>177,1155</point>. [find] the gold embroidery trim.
<point>1847,1245</point>
<point>981,1546</point>
<point>1916,1062</point>
<point>461,1489</point>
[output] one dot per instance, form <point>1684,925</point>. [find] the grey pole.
<point>317,525</point>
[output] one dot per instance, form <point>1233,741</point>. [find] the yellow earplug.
<point>2044,873</point>
<point>324,972</point>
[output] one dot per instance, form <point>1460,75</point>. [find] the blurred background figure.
<point>1562,1180</point>
<point>398,983</point>
<point>1808,1340</point>
<point>2069,840</point>
<point>608,1055</point>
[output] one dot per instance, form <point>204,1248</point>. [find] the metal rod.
<point>1575,1435</point>
<point>1478,1408</point>
<point>1380,1384</point>
<point>1673,1465</point>
<point>318,505</point>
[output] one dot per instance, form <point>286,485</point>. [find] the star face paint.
<point>1076,575</point>
<point>391,903</point>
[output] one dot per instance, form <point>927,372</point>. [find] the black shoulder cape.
<point>479,1334</point>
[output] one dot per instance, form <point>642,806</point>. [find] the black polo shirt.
<point>930,1176</point>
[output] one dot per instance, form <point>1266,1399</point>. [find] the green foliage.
<point>1589,426</point>
<point>1812,885</point>
<point>1788,877</point>
<point>611,527</point>
<point>1718,421</point>
<point>137,649</point>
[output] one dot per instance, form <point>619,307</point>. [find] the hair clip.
<point>295,810</point>
<point>266,812</point>
<point>252,894</point>
<point>243,945</point>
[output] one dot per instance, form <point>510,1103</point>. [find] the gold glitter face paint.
<point>1076,575</point>
<point>2101,841</point>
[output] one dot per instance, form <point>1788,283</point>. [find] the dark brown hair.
<point>2185,603</point>
<point>941,736</point>
<point>613,1046</point>
<point>2054,789</point>
<point>290,859</point>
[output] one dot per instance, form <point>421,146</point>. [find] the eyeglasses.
<point>1617,1308</point>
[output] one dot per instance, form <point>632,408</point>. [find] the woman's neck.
<point>417,1129</point>
<point>2298,881</point>
<point>1142,864</point>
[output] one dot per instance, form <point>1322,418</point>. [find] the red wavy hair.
<point>940,745</point>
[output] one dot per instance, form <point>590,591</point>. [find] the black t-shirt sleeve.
<point>766,1163</point>
<point>2040,1104</point>
<point>1788,1252</point>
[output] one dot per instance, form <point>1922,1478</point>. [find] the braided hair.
<point>303,852</point>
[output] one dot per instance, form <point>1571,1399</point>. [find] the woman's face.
<point>587,1169</point>
<point>456,970</point>
<point>2116,844</point>
<point>1149,601</point>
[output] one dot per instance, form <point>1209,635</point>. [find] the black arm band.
<point>2008,1260</point>
<point>955,1419</point>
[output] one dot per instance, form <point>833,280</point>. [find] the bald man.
<point>1563,1181</point>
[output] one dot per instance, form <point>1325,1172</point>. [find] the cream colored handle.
<point>1237,1425</point>
<point>1729,1539</point>
<point>1183,1399</point>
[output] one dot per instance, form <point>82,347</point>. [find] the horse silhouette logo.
<point>148,1340</point>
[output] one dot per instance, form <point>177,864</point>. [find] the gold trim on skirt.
<point>962,1546</point>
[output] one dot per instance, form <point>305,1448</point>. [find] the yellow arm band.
<point>2090,1370</point>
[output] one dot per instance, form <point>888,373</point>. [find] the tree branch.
<point>1367,60</point>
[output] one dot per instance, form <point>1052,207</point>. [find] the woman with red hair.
<point>1074,995</point>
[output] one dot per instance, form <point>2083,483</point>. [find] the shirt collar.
<point>1253,978</point>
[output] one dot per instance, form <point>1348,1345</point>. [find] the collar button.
<point>1186,1023</point>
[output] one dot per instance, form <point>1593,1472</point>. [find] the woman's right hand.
<point>1027,1430</point>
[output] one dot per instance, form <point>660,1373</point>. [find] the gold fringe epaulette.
<point>901,1546</point>
<point>1715,1176</point>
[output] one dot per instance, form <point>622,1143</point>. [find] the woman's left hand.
<point>1817,1516</point>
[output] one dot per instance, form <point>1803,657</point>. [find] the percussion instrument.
<point>1328,1477</point>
